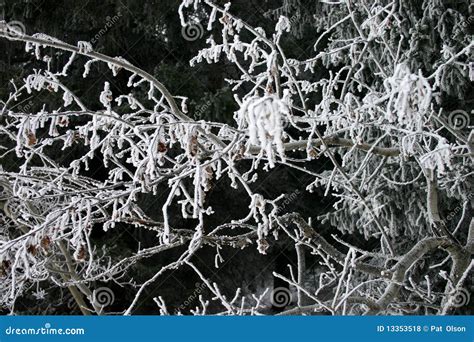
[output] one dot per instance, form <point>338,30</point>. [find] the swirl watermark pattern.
<point>281,297</point>
<point>13,29</point>
<point>461,297</point>
<point>192,31</point>
<point>103,296</point>
<point>285,123</point>
<point>189,209</point>
<point>458,119</point>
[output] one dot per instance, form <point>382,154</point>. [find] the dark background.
<point>148,34</point>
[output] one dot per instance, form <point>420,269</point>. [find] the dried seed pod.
<point>80,255</point>
<point>31,139</point>
<point>45,242</point>
<point>162,147</point>
<point>31,249</point>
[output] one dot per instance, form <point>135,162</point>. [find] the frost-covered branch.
<point>366,123</point>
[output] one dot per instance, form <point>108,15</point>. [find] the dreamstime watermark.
<point>456,210</point>
<point>24,107</point>
<point>199,288</point>
<point>103,296</point>
<point>192,31</point>
<point>301,19</point>
<point>463,26</point>
<point>12,29</point>
<point>281,297</point>
<point>200,110</point>
<point>298,21</point>
<point>287,201</point>
<point>46,330</point>
<point>109,23</point>
<point>459,119</point>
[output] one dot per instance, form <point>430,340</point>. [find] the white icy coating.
<point>263,118</point>
<point>375,118</point>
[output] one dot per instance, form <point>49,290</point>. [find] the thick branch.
<point>335,141</point>
<point>317,240</point>
<point>399,271</point>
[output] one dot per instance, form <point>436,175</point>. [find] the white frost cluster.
<point>106,96</point>
<point>263,117</point>
<point>410,98</point>
<point>369,119</point>
<point>439,158</point>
